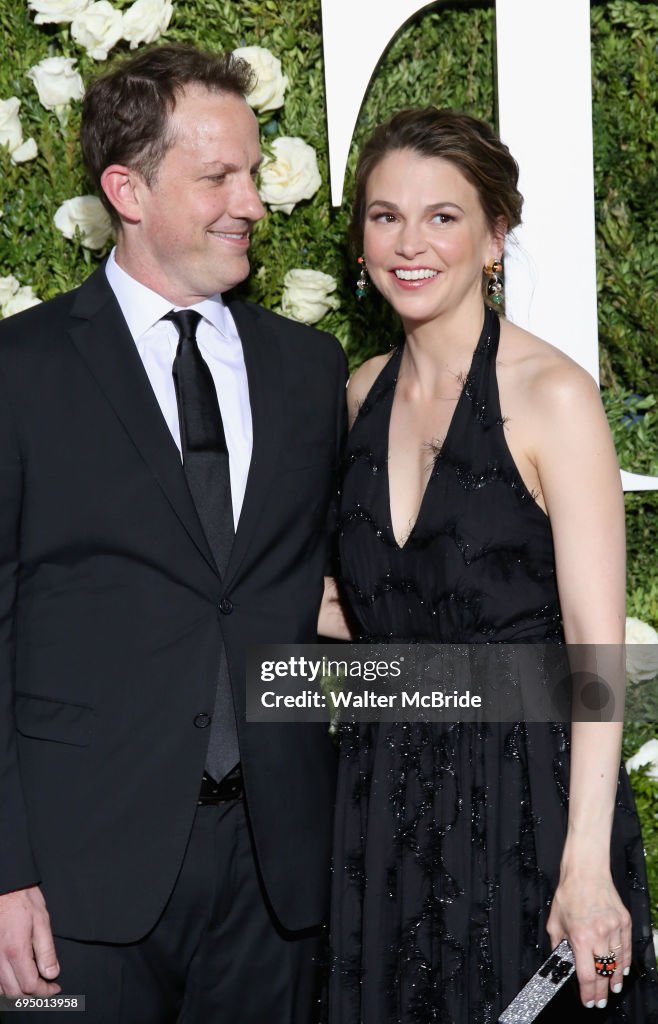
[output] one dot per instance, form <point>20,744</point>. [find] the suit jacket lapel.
<point>265,377</point>
<point>104,342</point>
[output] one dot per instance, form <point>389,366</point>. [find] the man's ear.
<point>119,185</point>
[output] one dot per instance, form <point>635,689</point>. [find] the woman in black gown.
<point>480,503</point>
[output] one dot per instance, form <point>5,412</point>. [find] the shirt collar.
<point>143,308</point>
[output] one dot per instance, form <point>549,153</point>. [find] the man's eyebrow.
<point>231,167</point>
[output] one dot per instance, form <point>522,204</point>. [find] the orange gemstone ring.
<point>605,966</point>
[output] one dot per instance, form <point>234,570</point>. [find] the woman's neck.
<point>444,343</point>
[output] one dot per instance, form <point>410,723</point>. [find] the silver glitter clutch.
<point>541,988</point>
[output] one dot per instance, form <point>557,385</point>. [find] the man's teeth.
<point>415,275</point>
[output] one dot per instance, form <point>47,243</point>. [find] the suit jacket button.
<point>225,606</point>
<point>202,720</point>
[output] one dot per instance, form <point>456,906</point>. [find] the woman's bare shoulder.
<point>361,381</point>
<point>541,375</point>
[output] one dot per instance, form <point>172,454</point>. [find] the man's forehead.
<point>215,119</point>
<point>201,114</point>
<point>199,97</point>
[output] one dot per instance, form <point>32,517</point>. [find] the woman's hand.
<point>587,911</point>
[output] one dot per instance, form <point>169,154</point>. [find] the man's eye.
<point>216,178</point>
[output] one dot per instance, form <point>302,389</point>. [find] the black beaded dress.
<point>449,836</point>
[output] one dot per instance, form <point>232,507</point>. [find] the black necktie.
<point>203,443</point>
<point>206,467</point>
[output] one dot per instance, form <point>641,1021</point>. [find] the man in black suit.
<point>167,460</point>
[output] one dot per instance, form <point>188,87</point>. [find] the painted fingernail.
<point>602,1003</point>
<point>627,971</point>
<point>590,1005</point>
<point>617,988</point>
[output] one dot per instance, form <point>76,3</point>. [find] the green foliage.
<point>444,55</point>
<point>645,791</point>
<point>634,424</point>
<point>624,40</point>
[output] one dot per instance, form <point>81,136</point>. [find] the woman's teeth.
<point>415,275</point>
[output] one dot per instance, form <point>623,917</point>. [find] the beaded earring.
<point>494,284</point>
<point>362,282</point>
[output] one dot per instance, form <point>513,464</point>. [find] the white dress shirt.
<point>219,343</point>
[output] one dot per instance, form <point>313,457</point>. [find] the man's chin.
<point>232,280</point>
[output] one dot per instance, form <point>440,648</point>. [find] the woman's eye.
<point>442,218</point>
<point>384,217</point>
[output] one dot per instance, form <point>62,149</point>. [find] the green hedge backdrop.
<point>445,55</point>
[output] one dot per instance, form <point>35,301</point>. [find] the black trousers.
<point>214,957</point>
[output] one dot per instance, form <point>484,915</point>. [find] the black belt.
<point>229,788</point>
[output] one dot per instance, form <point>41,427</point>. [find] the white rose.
<point>271,84</point>
<point>646,755</point>
<point>8,287</point>
<point>98,28</point>
<point>57,81</point>
<point>641,650</point>
<point>87,214</point>
<point>11,132</point>
<point>293,174</point>
<point>27,151</point>
<point>23,299</point>
<point>145,20</point>
<point>307,295</point>
<point>56,10</point>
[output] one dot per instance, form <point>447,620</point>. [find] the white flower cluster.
<point>641,650</point>
<point>307,295</point>
<point>647,756</point>
<point>49,11</point>
<point>271,83</point>
<point>97,26</point>
<point>57,82</point>
<point>292,175</point>
<point>289,177</point>
<point>88,216</point>
<point>286,178</point>
<point>11,132</point>
<point>15,297</point>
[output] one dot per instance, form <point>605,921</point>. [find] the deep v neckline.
<point>438,457</point>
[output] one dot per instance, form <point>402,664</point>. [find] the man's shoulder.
<point>39,325</point>
<point>296,338</point>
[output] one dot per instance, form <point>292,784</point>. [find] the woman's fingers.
<point>598,927</point>
<point>621,946</point>
<point>593,988</point>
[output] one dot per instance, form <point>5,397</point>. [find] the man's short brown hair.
<point>125,114</point>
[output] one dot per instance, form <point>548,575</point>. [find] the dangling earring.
<point>362,283</point>
<point>494,284</point>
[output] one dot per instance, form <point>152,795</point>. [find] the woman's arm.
<point>580,481</point>
<point>332,622</point>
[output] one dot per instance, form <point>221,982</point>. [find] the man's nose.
<point>246,202</point>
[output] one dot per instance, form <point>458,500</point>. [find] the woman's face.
<point>426,238</point>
